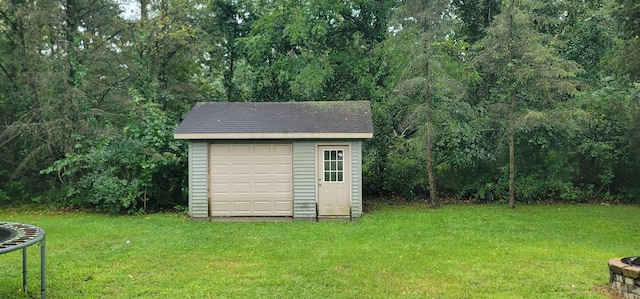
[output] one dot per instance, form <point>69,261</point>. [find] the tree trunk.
<point>512,121</point>
<point>429,146</point>
<point>71,9</point>
<point>144,12</point>
<point>433,194</point>
<point>432,178</point>
<point>512,155</point>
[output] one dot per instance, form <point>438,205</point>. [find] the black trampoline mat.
<point>6,234</point>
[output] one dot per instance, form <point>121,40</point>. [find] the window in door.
<point>333,165</point>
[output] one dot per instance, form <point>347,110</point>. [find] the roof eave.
<point>249,136</point>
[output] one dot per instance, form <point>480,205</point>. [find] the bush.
<point>406,173</point>
<point>121,173</point>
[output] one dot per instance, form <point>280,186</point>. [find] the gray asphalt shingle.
<point>278,117</point>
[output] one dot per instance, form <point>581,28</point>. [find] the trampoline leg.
<point>43,277</point>
<point>24,270</point>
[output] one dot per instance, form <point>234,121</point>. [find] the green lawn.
<point>458,251</point>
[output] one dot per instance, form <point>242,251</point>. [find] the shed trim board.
<point>254,136</point>
<point>356,178</point>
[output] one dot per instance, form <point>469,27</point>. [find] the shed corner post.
<point>198,179</point>
<point>356,179</point>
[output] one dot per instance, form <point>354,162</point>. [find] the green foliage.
<point>622,61</point>
<point>230,21</point>
<point>17,191</point>
<point>607,155</point>
<point>376,150</point>
<point>406,169</point>
<point>583,33</point>
<point>476,16</point>
<point>627,12</point>
<point>57,81</point>
<point>122,172</point>
<point>4,197</point>
<point>524,59</point>
<point>91,99</point>
<point>316,50</point>
<point>524,70</point>
<point>113,182</point>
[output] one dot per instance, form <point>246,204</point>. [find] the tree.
<point>529,74</point>
<point>430,17</point>
<point>230,21</point>
<point>316,50</point>
<point>163,51</point>
<point>122,171</point>
<point>582,32</point>
<point>50,51</point>
<point>146,78</point>
<point>476,15</point>
<point>626,57</point>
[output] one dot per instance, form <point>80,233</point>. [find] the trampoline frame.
<point>24,237</point>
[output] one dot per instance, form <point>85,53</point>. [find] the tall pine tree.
<point>529,74</point>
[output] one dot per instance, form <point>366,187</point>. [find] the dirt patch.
<point>608,291</point>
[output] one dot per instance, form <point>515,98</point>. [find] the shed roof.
<point>277,120</point>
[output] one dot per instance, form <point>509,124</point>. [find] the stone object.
<point>624,278</point>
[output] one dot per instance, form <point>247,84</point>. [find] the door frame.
<point>348,173</point>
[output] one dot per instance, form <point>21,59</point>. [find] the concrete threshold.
<point>251,219</point>
<point>334,218</point>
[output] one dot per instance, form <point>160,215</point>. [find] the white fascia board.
<point>233,136</point>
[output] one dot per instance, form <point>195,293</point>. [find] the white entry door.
<point>334,180</point>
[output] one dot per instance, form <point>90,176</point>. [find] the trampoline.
<point>632,260</point>
<point>14,236</point>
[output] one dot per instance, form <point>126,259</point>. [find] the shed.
<point>287,159</point>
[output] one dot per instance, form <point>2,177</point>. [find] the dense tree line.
<point>514,100</point>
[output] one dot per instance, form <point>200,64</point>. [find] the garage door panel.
<point>262,206</point>
<point>252,208</point>
<point>262,150</point>
<point>241,188</point>
<point>220,188</point>
<point>282,206</point>
<point>262,169</point>
<point>221,206</point>
<point>222,150</point>
<point>262,188</point>
<point>241,150</point>
<point>282,188</point>
<point>241,169</point>
<point>241,206</point>
<point>220,169</point>
<point>282,169</point>
<point>282,150</point>
<point>251,180</point>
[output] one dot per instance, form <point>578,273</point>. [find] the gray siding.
<point>356,179</point>
<point>304,179</point>
<point>198,179</point>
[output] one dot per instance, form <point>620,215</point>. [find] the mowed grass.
<point>458,251</point>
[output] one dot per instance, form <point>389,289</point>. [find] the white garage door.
<point>251,180</point>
